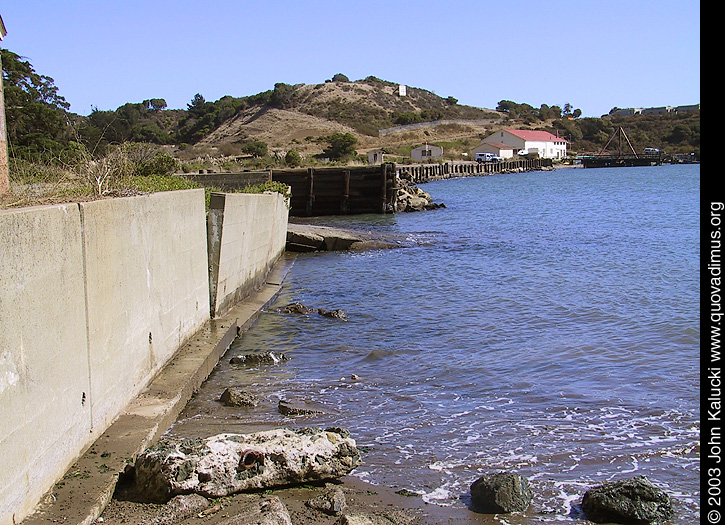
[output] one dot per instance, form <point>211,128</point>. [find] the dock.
<point>618,161</point>
<point>352,190</point>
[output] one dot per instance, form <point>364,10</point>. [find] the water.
<point>544,322</point>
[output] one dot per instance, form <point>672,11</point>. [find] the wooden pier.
<point>618,161</point>
<point>357,189</point>
<point>340,191</point>
<point>420,173</point>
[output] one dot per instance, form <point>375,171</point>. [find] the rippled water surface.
<point>544,322</point>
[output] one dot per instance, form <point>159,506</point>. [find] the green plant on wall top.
<point>271,186</point>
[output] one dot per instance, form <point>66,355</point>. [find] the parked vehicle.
<point>487,157</point>
<point>651,151</point>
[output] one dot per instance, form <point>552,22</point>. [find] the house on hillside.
<point>375,156</point>
<point>426,152</point>
<point>545,144</point>
<point>499,148</point>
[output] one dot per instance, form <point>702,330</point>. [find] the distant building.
<point>658,111</point>
<point>375,156</point>
<point>663,110</point>
<point>628,112</point>
<point>685,109</point>
<point>502,150</point>
<point>543,143</point>
<point>426,152</point>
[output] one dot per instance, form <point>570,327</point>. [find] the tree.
<point>197,107</point>
<point>256,148</point>
<point>155,104</point>
<point>292,158</point>
<point>342,145</point>
<point>36,118</point>
<point>282,95</point>
<point>339,77</point>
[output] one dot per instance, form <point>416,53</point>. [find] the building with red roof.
<point>525,141</point>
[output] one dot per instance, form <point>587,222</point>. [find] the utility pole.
<point>4,178</point>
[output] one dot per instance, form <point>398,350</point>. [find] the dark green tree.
<point>198,106</point>
<point>292,158</point>
<point>282,95</point>
<point>155,104</point>
<point>36,115</point>
<point>256,148</point>
<point>342,146</point>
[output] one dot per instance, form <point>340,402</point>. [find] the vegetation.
<point>36,116</point>
<point>136,146</point>
<point>293,159</point>
<point>341,146</point>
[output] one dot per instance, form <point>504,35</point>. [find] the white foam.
<point>437,496</point>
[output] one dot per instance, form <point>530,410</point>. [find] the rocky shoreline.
<point>244,480</point>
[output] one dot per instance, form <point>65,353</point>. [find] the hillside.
<point>302,117</point>
<point>297,117</point>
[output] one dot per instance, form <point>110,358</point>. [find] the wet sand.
<point>380,505</point>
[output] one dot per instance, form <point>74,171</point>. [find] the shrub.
<point>256,148</point>
<point>342,145</point>
<point>292,159</point>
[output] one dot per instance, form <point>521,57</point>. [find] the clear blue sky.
<point>592,54</point>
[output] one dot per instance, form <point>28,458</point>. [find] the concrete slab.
<point>87,487</point>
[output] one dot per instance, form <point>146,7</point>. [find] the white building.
<point>502,150</point>
<point>545,144</point>
<point>426,152</point>
<point>375,156</point>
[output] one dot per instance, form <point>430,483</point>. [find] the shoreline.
<point>378,504</point>
<point>364,501</point>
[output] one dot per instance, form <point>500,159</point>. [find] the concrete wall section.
<point>95,298</point>
<point>44,376</point>
<point>251,230</point>
<point>147,290</point>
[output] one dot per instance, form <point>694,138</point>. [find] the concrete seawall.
<point>95,299</point>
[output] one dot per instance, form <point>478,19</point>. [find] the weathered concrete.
<point>147,290</point>
<point>95,298</point>
<point>88,485</point>
<point>310,237</point>
<point>45,391</point>
<point>247,233</point>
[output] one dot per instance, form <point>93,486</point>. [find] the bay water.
<point>545,323</point>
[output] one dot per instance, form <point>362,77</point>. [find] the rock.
<point>299,408</point>
<point>634,500</point>
<point>266,358</point>
<point>337,314</point>
<point>310,237</point>
<point>332,502</point>
<point>411,198</point>
<point>304,241</point>
<point>182,507</point>
<point>355,519</point>
<point>500,492</point>
<point>232,463</point>
<point>269,512</point>
<point>235,397</point>
<point>297,308</point>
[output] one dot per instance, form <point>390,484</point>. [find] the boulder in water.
<point>236,397</point>
<point>633,500</point>
<point>500,492</point>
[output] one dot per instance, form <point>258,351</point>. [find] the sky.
<point>592,54</point>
